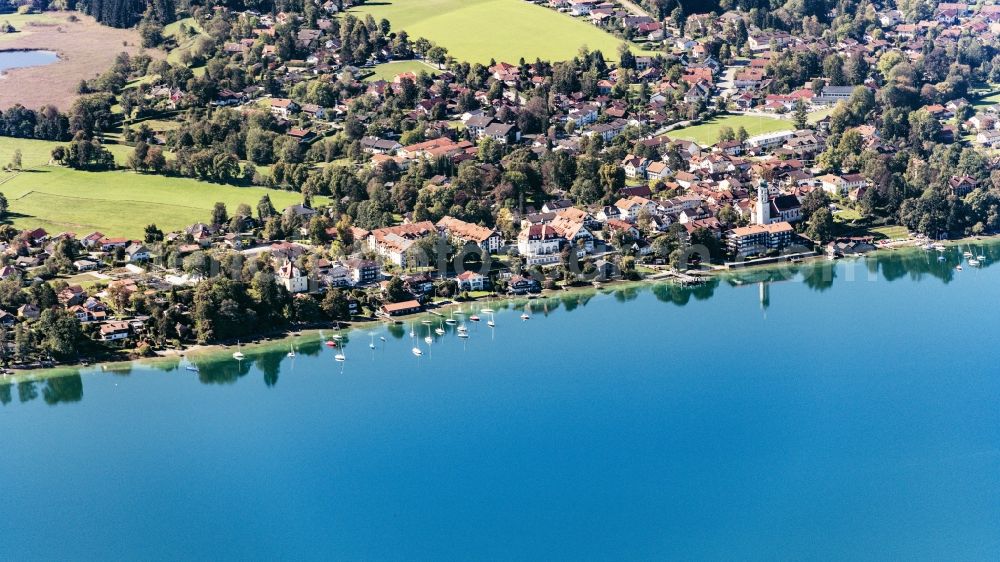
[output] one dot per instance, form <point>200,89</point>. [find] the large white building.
<point>292,278</point>
<point>539,244</point>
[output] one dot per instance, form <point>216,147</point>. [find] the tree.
<point>265,209</point>
<point>15,161</point>
<point>336,305</point>
<point>219,214</point>
<point>801,116</point>
<point>3,206</point>
<point>820,227</point>
<point>153,234</point>
<point>395,291</point>
<point>60,332</point>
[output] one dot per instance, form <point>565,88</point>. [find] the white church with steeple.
<point>762,209</point>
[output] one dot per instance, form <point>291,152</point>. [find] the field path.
<point>635,8</point>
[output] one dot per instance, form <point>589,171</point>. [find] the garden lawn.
<point>121,203</point>
<point>892,232</point>
<point>707,133</point>
<point>504,30</point>
<point>389,70</point>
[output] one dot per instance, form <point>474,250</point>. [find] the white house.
<point>539,244</point>
<point>292,278</point>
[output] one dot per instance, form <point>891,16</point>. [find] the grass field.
<point>121,203</point>
<point>24,24</point>
<point>116,203</point>
<point>986,101</point>
<point>36,153</point>
<point>707,133</point>
<point>389,70</point>
<point>505,30</point>
<point>184,42</point>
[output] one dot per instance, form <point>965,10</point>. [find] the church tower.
<point>763,204</point>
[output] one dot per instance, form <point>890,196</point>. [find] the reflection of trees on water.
<point>167,365</point>
<point>680,295</point>
<point>309,348</point>
<point>59,390</point>
<point>55,390</point>
<point>270,366</point>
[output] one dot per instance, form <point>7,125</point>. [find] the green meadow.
<point>707,133</point>
<point>504,30</point>
<point>389,70</point>
<point>119,203</point>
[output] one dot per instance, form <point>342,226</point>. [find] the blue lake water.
<point>851,412</point>
<point>23,59</point>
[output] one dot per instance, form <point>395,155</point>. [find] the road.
<point>635,8</point>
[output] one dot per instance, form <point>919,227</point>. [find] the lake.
<point>23,59</point>
<point>840,410</point>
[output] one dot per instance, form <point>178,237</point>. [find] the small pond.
<point>24,59</point>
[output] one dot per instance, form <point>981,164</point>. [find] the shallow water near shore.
<point>833,410</point>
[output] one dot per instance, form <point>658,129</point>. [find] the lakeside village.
<point>538,164</point>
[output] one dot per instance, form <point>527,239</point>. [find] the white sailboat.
<point>451,319</point>
<point>490,322</point>
<point>372,344</point>
<point>238,355</point>
<point>428,338</point>
<point>340,357</point>
<point>291,351</point>
<point>416,349</point>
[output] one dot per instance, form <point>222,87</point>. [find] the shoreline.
<point>268,342</point>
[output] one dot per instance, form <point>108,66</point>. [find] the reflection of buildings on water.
<point>764,291</point>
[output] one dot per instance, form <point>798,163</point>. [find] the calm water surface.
<point>24,59</point>
<point>852,412</point>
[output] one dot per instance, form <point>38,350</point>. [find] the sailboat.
<point>487,309</point>
<point>451,319</point>
<point>291,351</point>
<point>490,322</point>
<point>416,349</point>
<point>439,330</point>
<point>372,344</point>
<point>429,339</point>
<point>238,355</point>
<point>525,315</point>
<point>340,357</point>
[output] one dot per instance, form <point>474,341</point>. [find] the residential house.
<point>487,239</point>
<point>392,243</point>
<point>292,278</point>
<point>471,281</point>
